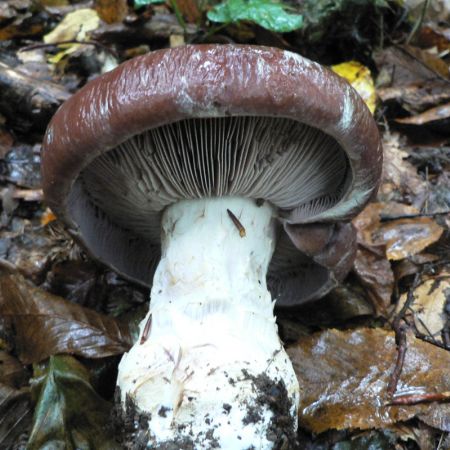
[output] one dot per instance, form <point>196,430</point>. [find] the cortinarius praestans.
<point>188,169</point>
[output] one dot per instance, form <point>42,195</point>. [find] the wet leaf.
<point>69,414</point>
<point>23,166</point>
<point>47,325</point>
<point>375,273</point>
<point>428,307</point>
<point>30,250</point>
<point>407,237</point>
<point>360,78</point>
<point>344,375</point>
<point>266,13</point>
<point>374,440</point>
<point>15,416</point>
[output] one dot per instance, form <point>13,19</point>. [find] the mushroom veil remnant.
<point>225,178</point>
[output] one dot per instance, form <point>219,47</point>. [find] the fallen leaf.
<point>345,302</point>
<point>360,78</point>
<point>12,372</point>
<point>428,307</point>
<point>15,416</point>
<point>418,97</point>
<point>369,440</point>
<point>6,142</point>
<point>76,25</point>
<point>31,249</point>
<point>407,237</point>
<point>427,59</point>
<point>433,36</point>
<point>400,177</point>
<point>69,414</point>
<point>23,166</point>
<point>190,9</point>
<point>374,272</point>
<point>441,112</point>
<point>176,40</point>
<point>407,65</point>
<point>46,325</point>
<point>111,11</point>
<point>47,217</point>
<point>344,375</point>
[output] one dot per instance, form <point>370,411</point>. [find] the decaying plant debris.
<point>372,357</point>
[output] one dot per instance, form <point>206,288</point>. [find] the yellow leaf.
<point>75,26</point>
<point>360,78</point>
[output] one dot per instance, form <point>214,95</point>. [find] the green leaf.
<point>69,414</point>
<point>140,3</point>
<point>266,13</point>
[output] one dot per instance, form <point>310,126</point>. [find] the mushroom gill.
<point>283,161</point>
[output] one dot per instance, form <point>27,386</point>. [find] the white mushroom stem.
<point>211,369</point>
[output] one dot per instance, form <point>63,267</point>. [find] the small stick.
<point>238,224</point>
<point>147,328</point>
<point>400,336</point>
<point>412,399</point>
<point>69,42</point>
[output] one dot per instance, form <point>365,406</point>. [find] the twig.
<point>412,399</point>
<point>419,21</point>
<point>400,339</point>
<point>70,41</point>
<point>387,218</point>
<point>400,336</point>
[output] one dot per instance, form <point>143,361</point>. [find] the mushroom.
<point>198,170</point>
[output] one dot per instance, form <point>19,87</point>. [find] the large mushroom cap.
<point>210,120</point>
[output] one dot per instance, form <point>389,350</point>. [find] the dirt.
<point>132,425</point>
<point>275,398</point>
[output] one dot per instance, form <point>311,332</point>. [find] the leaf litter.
<point>349,341</point>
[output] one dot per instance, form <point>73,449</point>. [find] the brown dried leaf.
<point>427,59</point>
<point>47,325</point>
<point>417,98</point>
<point>15,417</point>
<point>190,9</point>
<point>441,112</point>
<point>343,378</point>
<point>406,65</point>
<point>6,142</point>
<point>428,306</point>
<point>407,237</point>
<point>111,11</point>
<point>400,177</point>
<point>374,272</point>
<point>12,372</point>
<point>434,36</point>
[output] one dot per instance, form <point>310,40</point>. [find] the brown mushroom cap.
<point>212,120</point>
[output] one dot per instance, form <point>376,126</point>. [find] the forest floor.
<point>379,341</point>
